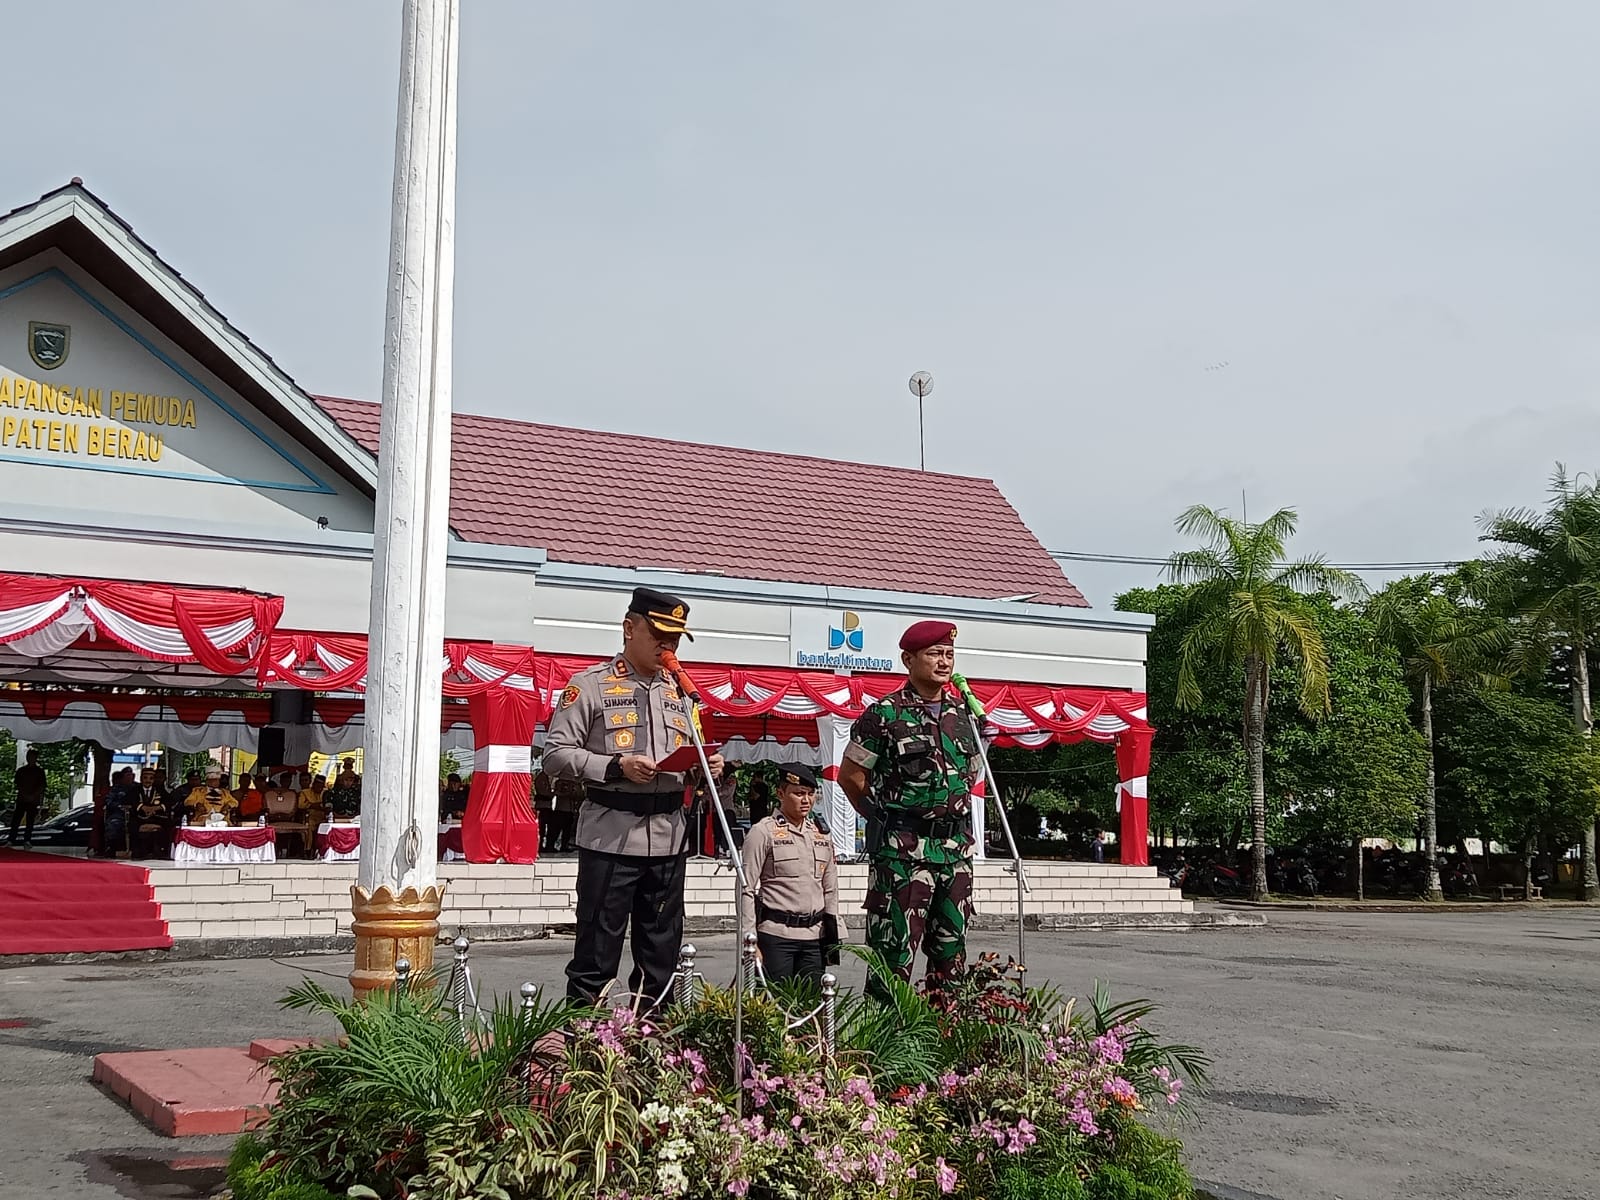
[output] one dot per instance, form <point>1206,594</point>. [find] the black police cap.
<point>797,774</point>
<point>665,612</point>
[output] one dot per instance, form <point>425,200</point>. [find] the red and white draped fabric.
<point>1020,714</point>
<point>980,791</point>
<point>833,735</point>
<point>224,631</point>
<point>192,723</point>
<point>500,824</point>
<point>1133,790</point>
<point>337,662</point>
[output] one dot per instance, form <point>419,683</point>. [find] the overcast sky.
<point>750,222</point>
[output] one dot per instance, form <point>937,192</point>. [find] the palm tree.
<point>1548,575</point>
<point>1438,641</point>
<point>1244,609</point>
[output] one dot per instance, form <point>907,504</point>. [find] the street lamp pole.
<point>921,384</point>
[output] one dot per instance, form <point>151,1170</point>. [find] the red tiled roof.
<point>599,499</point>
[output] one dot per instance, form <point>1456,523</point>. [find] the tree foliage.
<point>1512,768</point>
<point>63,764</point>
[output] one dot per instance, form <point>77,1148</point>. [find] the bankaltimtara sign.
<point>85,423</point>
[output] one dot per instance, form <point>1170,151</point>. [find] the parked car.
<point>71,828</point>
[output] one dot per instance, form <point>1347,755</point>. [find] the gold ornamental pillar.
<point>389,927</point>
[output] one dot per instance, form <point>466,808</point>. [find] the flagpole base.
<point>389,927</point>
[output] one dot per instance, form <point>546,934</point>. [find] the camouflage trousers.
<point>914,903</point>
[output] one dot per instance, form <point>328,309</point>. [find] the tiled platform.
<point>312,900</point>
<point>179,1093</point>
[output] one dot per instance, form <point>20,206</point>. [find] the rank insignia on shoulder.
<point>570,696</point>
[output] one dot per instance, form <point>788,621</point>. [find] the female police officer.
<point>791,893</point>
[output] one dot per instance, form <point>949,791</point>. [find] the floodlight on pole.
<point>921,384</point>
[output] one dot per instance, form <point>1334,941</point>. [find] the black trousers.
<point>787,958</point>
<point>614,892</point>
<point>24,813</point>
<point>566,827</point>
<point>153,843</point>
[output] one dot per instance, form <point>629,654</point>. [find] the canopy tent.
<point>73,631</point>
<point>1022,714</point>
<point>44,618</point>
<point>191,724</point>
<point>752,713</point>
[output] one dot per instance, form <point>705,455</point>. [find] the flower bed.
<point>992,1090</point>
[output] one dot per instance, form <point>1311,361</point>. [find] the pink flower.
<point>944,1175</point>
<point>1021,1137</point>
<point>739,1187</point>
<point>1109,1047</point>
<point>857,1088</point>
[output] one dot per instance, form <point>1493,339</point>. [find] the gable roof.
<point>620,500</point>
<point>80,225</point>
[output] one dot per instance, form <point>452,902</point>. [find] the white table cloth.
<point>346,847</point>
<point>223,847</point>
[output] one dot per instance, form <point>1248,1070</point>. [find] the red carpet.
<point>51,904</point>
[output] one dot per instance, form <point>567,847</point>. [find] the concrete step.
<point>181,1093</point>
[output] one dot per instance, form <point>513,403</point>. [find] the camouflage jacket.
<point>921,766</point>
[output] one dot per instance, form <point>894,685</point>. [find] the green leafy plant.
<point>1019,1183</point>
<point>991,1089</point>
<point>1143,1052</point>
<point>404,1083</point>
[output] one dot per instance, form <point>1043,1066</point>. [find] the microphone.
<point>669,660</point>
<point>974,705</point>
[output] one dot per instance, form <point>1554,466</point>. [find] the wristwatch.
<point>614,770</point>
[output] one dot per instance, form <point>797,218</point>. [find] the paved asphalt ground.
<point>1358,1056</point>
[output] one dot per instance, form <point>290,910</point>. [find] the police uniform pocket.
<point>621,741</point>
<point>787,855</point>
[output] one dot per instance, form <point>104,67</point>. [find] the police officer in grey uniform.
<point>610,728</point>
<point>791,892</point>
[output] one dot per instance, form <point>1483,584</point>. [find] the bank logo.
<point>48,344</point>
<point>850,636</point>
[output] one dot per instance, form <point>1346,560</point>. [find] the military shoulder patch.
<point>570,696</point>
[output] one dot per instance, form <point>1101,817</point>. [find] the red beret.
<point>927,633</point>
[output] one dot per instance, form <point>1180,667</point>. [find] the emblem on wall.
<point>48,344</point>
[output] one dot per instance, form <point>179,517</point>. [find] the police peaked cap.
<point>665,612</point>
<point>797,775</point>
<point>927,633</point>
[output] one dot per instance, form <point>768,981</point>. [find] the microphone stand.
<point>691,693</point>
<point>979,719</point>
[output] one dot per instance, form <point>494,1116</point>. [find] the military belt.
<point>640,804</point>
<point>793,920</point>
<point>939,828</point>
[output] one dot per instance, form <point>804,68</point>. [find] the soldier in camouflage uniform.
<point>915,753</point>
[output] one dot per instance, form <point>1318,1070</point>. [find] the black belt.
<point>793,920</point>
<point>940,828</point>
<point>640,804</point>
